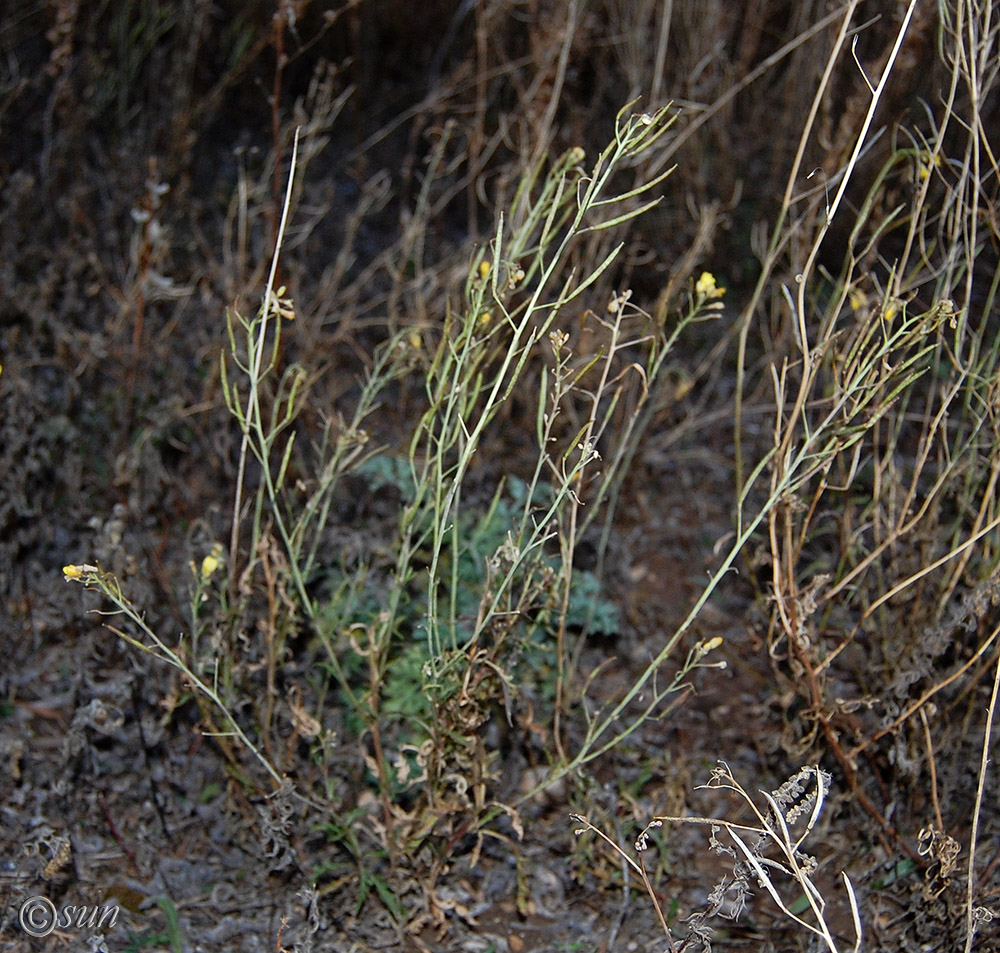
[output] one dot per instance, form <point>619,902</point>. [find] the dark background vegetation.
<point>144,149</point>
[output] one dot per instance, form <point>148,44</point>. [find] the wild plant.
<point>419,636</point>
<point>768,853</point>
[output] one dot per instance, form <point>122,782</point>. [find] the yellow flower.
<point>927,162</point>
<point>78,572</point>
<point>211,562</point>
<point>484,270</point>
<point>857,298</point>
<point>706,287</point>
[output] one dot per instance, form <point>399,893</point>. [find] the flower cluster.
<point>706,289</point>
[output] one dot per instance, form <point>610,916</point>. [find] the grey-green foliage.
<point>484,531</point>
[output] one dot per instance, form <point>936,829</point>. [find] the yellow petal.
<point>706,283</point>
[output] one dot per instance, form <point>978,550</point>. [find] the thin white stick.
<point>253,397</point>
<point>980,787</point>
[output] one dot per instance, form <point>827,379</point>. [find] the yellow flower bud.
<point>79,571</point>
<point>927,162</point>
<point>706,287</point>
<point>211,562</point>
